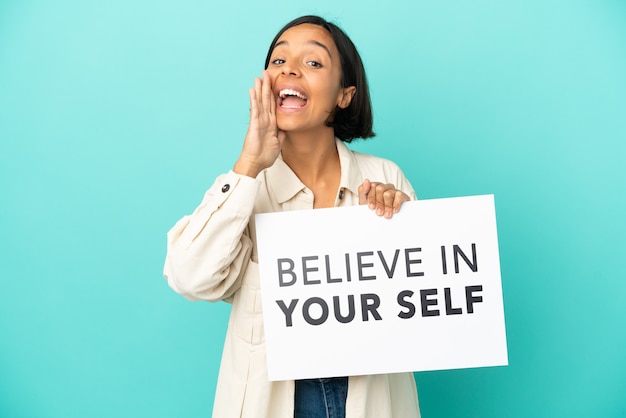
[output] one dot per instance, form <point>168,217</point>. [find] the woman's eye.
<point>314,64</point>
<point>278,61</point>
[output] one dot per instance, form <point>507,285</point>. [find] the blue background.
<point>116,116</point>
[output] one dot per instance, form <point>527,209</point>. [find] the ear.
<point>345,96</point>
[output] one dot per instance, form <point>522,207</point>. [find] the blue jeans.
<point>321,398</point>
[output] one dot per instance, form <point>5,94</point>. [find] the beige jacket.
<point>212,255</point>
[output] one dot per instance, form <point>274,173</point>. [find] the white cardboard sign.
<point>346,292</point>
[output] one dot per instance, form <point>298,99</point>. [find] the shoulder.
<point>369,163</point>
<point>360,166</point>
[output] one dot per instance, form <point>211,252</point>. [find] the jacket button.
<point>226,188</point>
<point>340,194</point>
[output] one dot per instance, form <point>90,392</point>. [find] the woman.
<point>311,98</point>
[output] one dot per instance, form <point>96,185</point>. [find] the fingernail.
<point>372,206</point>
<point>379,211</point>
<point>388,214</point>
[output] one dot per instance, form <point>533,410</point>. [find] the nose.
<point>290,68</point>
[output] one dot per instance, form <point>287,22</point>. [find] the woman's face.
<point>305,70</point>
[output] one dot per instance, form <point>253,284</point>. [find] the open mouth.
<point>291,99</point>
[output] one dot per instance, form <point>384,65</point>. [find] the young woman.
<point>311,98</point>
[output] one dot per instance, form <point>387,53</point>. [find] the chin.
<point>287,125</point>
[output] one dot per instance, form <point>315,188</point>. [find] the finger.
<point>272,101</point>
<point>254,110</point>
<point>364,189</point>
<point>258,85</point>
<point>380,196</point>
<point>272,104</point>
<point>399,199</point>
<point>389,196</point>
<point>266,91</point>
<point>371,196</point>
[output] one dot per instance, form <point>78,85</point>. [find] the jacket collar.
<point>285,184</point>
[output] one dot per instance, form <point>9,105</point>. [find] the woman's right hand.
<point>263,140</point>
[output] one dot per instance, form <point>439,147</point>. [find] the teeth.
<point>288,92</point>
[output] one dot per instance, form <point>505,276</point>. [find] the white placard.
<point>346,292</point>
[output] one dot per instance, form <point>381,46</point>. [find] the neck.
<point>313,157</point>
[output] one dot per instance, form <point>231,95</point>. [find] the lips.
<point>291,98</point>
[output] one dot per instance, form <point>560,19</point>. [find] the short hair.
<point>354,121</point>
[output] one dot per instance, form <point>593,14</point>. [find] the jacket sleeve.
<point>208,251</point>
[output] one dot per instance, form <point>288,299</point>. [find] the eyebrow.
<point>311,42</point>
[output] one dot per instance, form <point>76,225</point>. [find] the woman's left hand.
<point>385,199</point>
